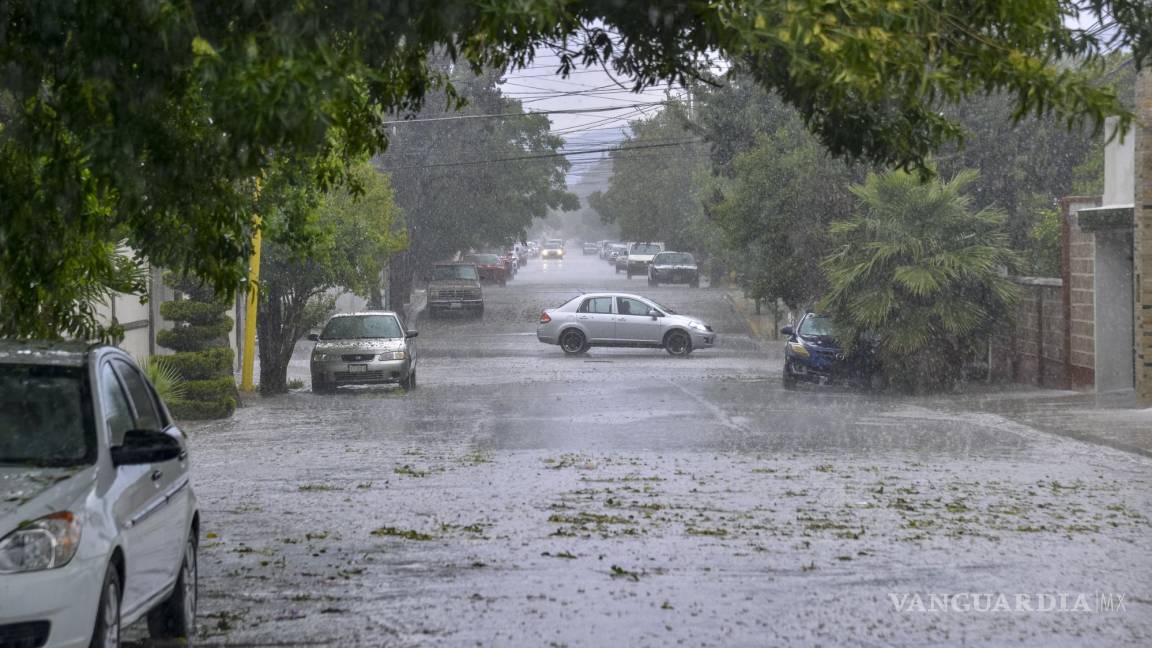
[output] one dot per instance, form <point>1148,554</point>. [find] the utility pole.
<point>249,359</point>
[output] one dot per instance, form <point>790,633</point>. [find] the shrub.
<point>198,365</point>
<point>204,360</point>
<point>921,273</point>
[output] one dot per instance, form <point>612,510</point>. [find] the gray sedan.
<point>617,319</point>
<point>363,349</point>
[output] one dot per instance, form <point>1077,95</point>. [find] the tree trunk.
<point>279,325</point>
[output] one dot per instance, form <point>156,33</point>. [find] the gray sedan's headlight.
<point>698,326</point>
<point>324,357</point>
<point>393,355</point>
<point>46,543</point>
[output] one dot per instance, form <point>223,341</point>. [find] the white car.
<point>98,521</point>
<point>622,320</point>
<point>639,257</point>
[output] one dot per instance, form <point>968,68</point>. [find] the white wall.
<point>1119,168</point>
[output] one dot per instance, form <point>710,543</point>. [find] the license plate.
<point>358,368</point>
<point>455,305</point>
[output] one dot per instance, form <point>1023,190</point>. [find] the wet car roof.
<point>363,313</point>
<point>66,354</point>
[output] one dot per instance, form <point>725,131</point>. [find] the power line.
<point>562,111</point>
<point>539,157</point>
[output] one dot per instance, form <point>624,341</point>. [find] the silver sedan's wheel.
<point>678,343</point>
<point>573,342</point>
<point>106,634</point>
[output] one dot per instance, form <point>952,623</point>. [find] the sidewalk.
<point>1114,420</point>
<point>762,328</point>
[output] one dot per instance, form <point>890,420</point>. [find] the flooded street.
<point>628,497</point>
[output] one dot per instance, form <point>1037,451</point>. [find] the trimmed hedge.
<point>203,358</point>
<point>212,389</point>
<point>194,338</point>
<point>193,312</point>
<point>198,365</point>
<point>198,410</point>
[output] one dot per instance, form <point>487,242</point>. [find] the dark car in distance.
<point>812,354</point>
<point>674,267</point>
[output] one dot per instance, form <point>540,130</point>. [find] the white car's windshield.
<point>43,420</point>
<point>356,327</point>
<point>645,248</point>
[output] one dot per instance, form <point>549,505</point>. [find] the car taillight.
<point>545,317</point>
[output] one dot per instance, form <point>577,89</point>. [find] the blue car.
<point>813,355</point>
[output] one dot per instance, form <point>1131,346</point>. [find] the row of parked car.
<point>651,259</point>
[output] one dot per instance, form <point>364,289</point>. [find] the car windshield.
<point>816,326</point>
<point>43,417</point>
<point>357,327</point>
<point>645,248</point>
<point>674,258</point>
<point>554,244</point>
<point>449,272</point>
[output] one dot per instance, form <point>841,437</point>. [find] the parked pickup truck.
<point>455,287</point>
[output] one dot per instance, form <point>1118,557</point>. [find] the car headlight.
<point>699,326</point>
<point>321,357</point>
<point>393,355</point>
<point>798,349</point>
<point>46,543</point>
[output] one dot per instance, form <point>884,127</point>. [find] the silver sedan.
<point>363,349</point>
<point>623,320</point>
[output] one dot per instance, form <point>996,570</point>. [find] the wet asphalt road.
<point>520,497</point>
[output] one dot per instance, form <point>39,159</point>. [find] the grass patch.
<point>407,534</point>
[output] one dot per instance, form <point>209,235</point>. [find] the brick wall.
<point>1142,242</point>
<point>1078,296</point>
<point>1033,350</point>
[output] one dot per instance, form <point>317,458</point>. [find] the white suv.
<point>98,522</point>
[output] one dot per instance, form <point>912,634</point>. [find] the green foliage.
<point>193,312</point>
<point>150,122</point>
<point>194,337</point>
<point>352,229</point>
<point>652,195</point>
<point>453,195</point>
<point>774,194</point>
<point>198,365</point>
<point>199,335</point>
<point>211,389</point>
<point>919,270</point>
<point>1043,255</point>
<point>202,410</point>
<point>169,383</point>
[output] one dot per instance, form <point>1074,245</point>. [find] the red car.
<point>491,267</point>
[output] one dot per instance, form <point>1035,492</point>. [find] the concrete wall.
<point>1032,351</point>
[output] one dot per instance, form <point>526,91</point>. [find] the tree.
<point>353,234</point>
<point>920,271</point>
<point>652,194</point>
<point>778,191</point>
<point>471,183</point>
<point>149,121</point>
<point>1027,165</point>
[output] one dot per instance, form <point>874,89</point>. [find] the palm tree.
<point>921,273</point>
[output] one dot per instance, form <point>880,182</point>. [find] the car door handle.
<point>157,474</point>
<point>583,317</point>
